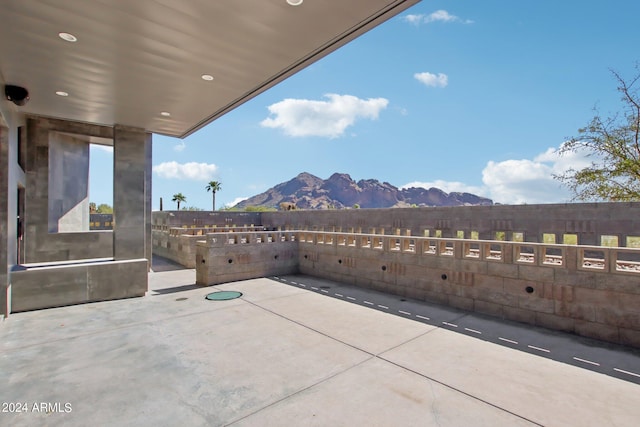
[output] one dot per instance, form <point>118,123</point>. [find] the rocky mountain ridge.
<point>307,191</point>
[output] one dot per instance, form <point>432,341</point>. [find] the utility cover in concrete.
<point>223,295</point>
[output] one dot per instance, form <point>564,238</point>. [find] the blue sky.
<point>462,95</point>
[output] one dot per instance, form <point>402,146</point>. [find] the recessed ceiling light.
<point>165,113</point>
<point>207,77</point>
<point>61,93</point>
<point>68,37</point>
<point>295,2</point>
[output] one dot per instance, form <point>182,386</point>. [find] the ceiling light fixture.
<point>207,77</point>
<point>295,2</point>
<point>62,93</point>
<point>68,37</point>
<point>165,113</point>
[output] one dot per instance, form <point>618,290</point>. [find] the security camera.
<point>16,94</point>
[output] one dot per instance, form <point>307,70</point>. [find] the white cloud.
<point>189,171</point>
<point>433,80</point>
<point>330,118</point>
<point>518,181</point>
<point>441,16</point>
<point>104,148</point>
<point>414,18</point>
<point>180,146</point>
<point>448,186</point>
<point>531,181</point>
<point>437,16</point>
<point>235,201</point>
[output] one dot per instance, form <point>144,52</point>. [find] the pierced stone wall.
<point>530,223</point>
<point>227,257</point>
<point>592,291</point>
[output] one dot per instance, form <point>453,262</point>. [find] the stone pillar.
<point>4,219</point>
<point>131,193</point>
<point>68,184</point>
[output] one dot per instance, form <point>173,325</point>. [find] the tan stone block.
<point>534,303</point>
<point>552,321</point>
<point>462,278</point>
<point>627,283</point>
<point>575,311</point>
<point>461,302</point>
<point>597,330</point>
<point>489,283</point>
<point>468,292</point>
<point>630,337</point>
<point>472,266</point>
<point>519,315</point>
<point>535,273</point>
<point>436,297</point>
<point>519,287</point>
<point>594,296</point>
<point>502,270</point>
<point>415,293</point>
<point>497,298</point>
<point>563,293</point>
<point>585,279</point>
<point>489,308</point>
<point>614,316</point>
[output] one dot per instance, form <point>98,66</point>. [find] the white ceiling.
<point>137,58</point>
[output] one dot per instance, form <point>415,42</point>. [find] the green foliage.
<point>179,198</point>
<point>250,209</point>
<point>214,187</point>
<point>260,209</point>
<point>104,208</point>
<point>356,206</point>
<point>614,145</point>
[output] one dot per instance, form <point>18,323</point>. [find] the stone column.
<point>68,184</point>
<point>4,219</point>
<point>131,193</point>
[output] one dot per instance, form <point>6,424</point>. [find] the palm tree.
<point>214,186</point>
<point>179,198</point>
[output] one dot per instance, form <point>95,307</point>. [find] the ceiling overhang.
<point>140,63</point>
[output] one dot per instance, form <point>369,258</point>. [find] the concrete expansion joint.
<point>455,322</point>
<point>472,396</point>
<point>310,328</point>
<point>302,390</point>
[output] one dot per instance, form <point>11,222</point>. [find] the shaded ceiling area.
<point>168,67</point>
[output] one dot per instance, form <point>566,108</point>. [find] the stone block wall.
<point>60,267</point>
<point>179,248</point>
<point>4,218</point>
<point>54,285</point>
<point>164,220</point>
<point>588,290</point>
<point>565,292</point>
<point>40,244</point>
<point>227,257</point>
<point>589,221</point>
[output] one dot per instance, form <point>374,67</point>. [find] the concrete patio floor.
<point>298,351</point>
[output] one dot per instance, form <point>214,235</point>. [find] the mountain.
<point>307,191</point>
